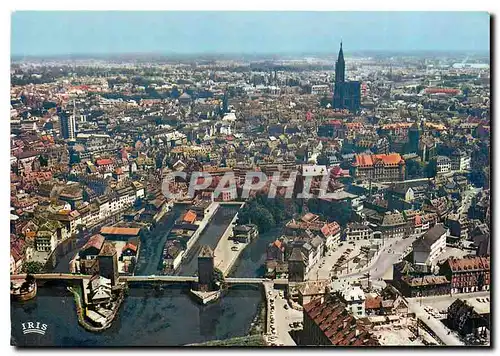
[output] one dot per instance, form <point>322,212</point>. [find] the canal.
<point>151,251</point>
<point>252,259</point>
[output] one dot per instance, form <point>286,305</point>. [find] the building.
<point>354,298</point>
<point>67,126</point>
<point>99,290</point>
<point>427,248</point>
<point>297,265</point>
<point>356,231</point>
<point>120,233</point>
<point>413,138</point>
<point>424,286</point>
<point>468,274</point>
<point>380,167</point>
<point>443,164</point>
<point>46,241</point>
<point>328,231</point>
<point>458,225</point>
<point>310,290</point>
<point>347,94</point>
<point>108,262</point>
<point>245,233</point>
<point>327,322</point>
<point>320,89</point>
<point>460,160</point>
<point>206,268</point>
<point>469,317</point>
<point>88,254</point>
<point>172,255</point>
<point>393,225</point>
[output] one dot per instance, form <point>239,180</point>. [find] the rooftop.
<point>129,231</point>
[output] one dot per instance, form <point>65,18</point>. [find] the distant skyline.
<point>52,33</point>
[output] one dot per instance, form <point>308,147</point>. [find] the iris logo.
<point>34,328</point>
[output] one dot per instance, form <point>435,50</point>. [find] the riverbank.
<point>257,327</point>
<point>248,341</point>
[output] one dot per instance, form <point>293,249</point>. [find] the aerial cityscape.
<point>199,179</point>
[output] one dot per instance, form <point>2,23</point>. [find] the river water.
<point>151,317</point>
<point>148,317</point>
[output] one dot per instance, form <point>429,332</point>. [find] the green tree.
<point>44,161</point>
<point>414,169</point>
<point>32,267</point>
<point>431,169</point>
<point>322,159</point>
<point>218,276</point>
<point>324,102</point>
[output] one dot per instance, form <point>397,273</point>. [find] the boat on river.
<point>23,290</point>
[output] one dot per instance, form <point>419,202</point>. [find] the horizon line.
<point>228,53</point>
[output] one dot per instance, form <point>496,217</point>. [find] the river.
<point>147,317</point>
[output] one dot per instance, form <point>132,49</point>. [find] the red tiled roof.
<point>469,263</point>
<point>278,244</point>
<point>189,217</point>
<point>337,324</point>
<point>442,90</point>
<point>364,160</point>
<point>131,246</point>
<point>104,162</point>
<point>95,241</point>
<point>373,303</point>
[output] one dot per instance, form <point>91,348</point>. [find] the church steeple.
<point>340,67</point>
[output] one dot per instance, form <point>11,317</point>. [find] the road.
<point>392,252</point>
<point>447,336</point>
<point>442,302</point>
<point>282,319</point>
<point>467,197</point>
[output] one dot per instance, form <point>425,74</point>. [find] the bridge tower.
<point>206,268</point>
<point>108,262</point>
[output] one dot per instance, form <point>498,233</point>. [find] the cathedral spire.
<point>340,66</point>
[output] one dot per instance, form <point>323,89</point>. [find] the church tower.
<point>346,94</point>
<point>340,67</point>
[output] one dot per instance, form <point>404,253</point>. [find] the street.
<point>442,302</point>
<point>448,337</point>
<point>281,318</point>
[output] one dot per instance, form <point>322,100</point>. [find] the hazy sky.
<point>54,33</point>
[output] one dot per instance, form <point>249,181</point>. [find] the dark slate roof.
<point>206,251</point>
<point>434,233</point>
<point>296,255</point>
